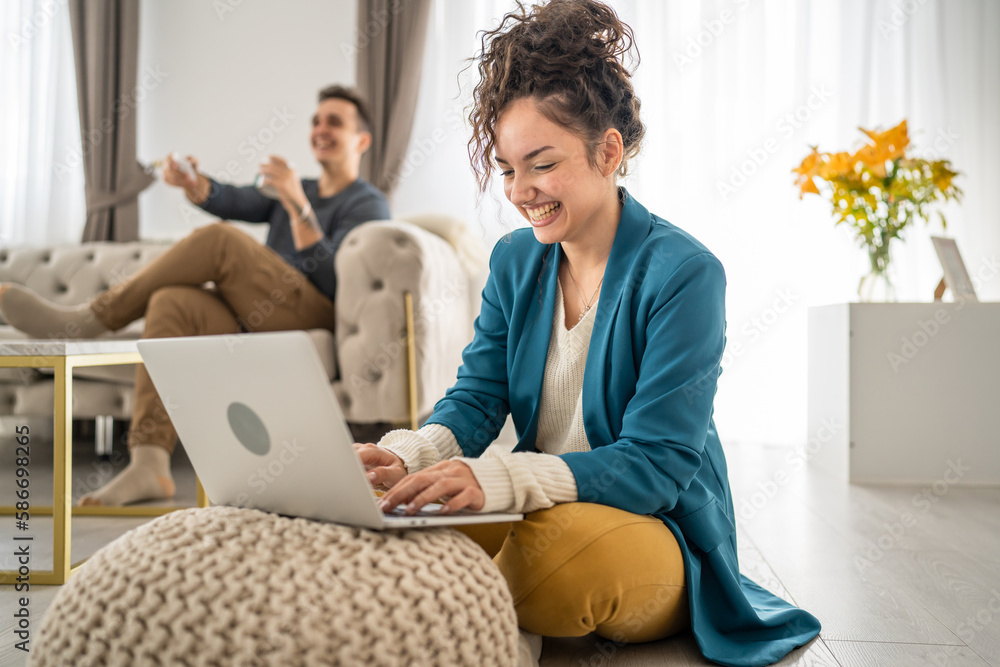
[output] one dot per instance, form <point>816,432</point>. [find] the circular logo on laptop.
<point>248,428</point>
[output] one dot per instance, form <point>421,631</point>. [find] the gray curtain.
<point>390,51</point>
<point>106,49</point>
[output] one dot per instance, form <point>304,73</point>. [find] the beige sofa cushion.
<point>74,274</point>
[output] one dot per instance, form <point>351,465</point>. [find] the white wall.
<point>929,63</point>
<point>218,77</point>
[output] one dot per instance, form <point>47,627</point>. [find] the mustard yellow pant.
<point>579,568</point>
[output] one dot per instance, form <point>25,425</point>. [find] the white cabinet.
<point>906,392</point>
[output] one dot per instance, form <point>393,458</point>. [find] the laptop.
<point>263,429</point>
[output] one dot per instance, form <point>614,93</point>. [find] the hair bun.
<point>573,38</point>
<point>573,50</point>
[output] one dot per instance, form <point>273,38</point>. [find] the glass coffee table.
<point>62,356</point>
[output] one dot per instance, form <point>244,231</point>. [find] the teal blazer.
<point>649,384</point>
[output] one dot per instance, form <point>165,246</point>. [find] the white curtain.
<point>733,94</point>
<point>41,173</point>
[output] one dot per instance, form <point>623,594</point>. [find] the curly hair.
<point>567,55</point>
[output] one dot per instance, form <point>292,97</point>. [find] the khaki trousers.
<point>579,568</point>
<point>254,290</point>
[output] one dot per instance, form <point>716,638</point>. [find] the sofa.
<point>434,259</point>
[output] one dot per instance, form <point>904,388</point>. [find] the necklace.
<point>586,304</point>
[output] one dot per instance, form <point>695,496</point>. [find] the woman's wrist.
<point>415,451</point>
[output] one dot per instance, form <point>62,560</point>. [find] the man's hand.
<point>448,479</point>
<point>174,175</point>
<point>384,468</point>
<point>196,187</point>
<point>279,175</point>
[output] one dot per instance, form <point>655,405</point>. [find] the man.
<point>289,284</point>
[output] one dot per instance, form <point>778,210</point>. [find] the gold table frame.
<point>61,509</point>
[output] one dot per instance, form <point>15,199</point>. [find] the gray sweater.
<point>359,202</point>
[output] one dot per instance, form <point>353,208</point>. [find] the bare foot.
<point>147,477</point>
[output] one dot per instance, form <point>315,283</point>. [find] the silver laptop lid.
<point>261,425</point>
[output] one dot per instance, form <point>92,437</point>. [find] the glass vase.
<point>876,287</point>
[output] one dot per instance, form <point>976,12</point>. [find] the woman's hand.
<point>448,479</point>
<point>384,468</point>
<point>279,175</point>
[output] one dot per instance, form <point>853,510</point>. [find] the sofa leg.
<point>104,427</point>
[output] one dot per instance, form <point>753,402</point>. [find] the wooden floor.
<point>898,575</point>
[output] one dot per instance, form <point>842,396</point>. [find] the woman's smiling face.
<point>548,175</point>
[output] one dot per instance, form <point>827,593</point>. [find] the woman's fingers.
<point>386,475</point>
<point>402,492</point>
<point>373,456</point>
<point>382,466</point>
<point>471,498</point>
<point>369,454</point>
<point>448,479</point>
<point>416,491</point>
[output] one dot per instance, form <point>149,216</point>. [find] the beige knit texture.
<point>560,420</point>
<point>229,586</point>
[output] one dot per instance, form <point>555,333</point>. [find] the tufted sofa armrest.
<point>377,264</point>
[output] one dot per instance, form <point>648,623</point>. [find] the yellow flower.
<point>835,164</point>
<point>806,170</point>
<point>942,174</point>
<point>886,146</point>
<point>877,190</point>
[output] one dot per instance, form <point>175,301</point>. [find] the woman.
<point>601,333</point>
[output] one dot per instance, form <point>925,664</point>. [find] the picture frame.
<point>956,277</point>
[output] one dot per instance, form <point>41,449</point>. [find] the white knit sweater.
<point>522,481</point>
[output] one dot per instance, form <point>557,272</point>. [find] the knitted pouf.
<point>228,586</point>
